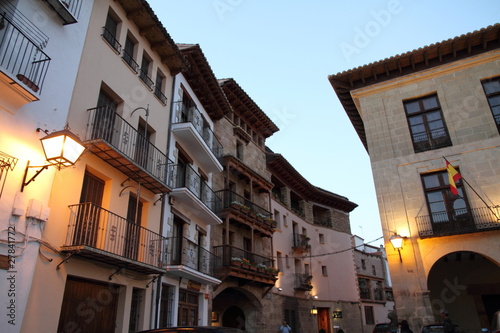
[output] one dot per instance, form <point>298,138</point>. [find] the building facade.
<point>244,242</point>
<point>374,283</point>
<point>317,285</point>
<point>40,49</point>
<point>414,112</point>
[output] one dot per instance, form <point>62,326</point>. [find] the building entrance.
<point>467,285</point>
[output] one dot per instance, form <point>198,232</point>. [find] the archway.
<point>237,308</point>
<point>467,285</point>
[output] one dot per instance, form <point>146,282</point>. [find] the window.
<point>324,270</point>
<point>426,123</point>
<point>363,264</point>
<point>369,318</point>
<point>364,288</point>
<point>144,72</point>
<point>374,270</point>
<point>379,291</point>
<point>239,150</point>
<point>448,212</point>
<point>160,88</point>
<point>492,90</point>
<point>279,257</point>
<point>109,32</point>
<point>321,239</point>
<point>128,54</point>
<point>277,218</point>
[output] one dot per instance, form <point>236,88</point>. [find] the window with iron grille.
<point>492,90</point>
<point>447,211</point>
<point>426,123</point>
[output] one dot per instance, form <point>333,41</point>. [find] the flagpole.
<point>472,188</point>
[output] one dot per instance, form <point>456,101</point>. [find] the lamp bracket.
<point>28,166</point>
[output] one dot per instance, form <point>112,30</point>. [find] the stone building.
<point>413,112</point>
<point>317,286</point>
<point>374,283</point>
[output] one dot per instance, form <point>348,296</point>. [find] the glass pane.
<point>491,87</point>
<point>459,204</point>
<point>494,100</point>
<point>434,197</point>
<point>432,116</point>
<point>496,110</point>
<point>431,181</point>
<point>418,129</point>
<point>430,103</point>
<point>412,107</point>
<point>415,120</point>
<point>438,124</point>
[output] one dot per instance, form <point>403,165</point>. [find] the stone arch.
<point>467,284</point>
<point>236,307</point>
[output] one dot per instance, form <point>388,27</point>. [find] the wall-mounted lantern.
<point>397,242</point>
<point>61,149</point>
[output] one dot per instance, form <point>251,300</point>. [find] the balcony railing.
<point>324,222</point>
<point>110,38</point>
<point>183,175</point>
<point>160,95</point>
<point>105,124</point>
<point>143,75</point>
<point>21,57</point>
<point>303,281</point>
<point>129,60</point>
<point>459,221</point>
<point>230,198</point>
<point>193,116</point>
<point>438,138</point>
<point>180,251</point>
<point>234,257</point>
<point>301,242</point>
<point>68,10</point>
<point>94,227</point>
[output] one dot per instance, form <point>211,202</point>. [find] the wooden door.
<point>88,306</point>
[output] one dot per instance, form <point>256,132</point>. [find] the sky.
<point>281,52</point>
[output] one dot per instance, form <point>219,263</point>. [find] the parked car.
<point>195,329</point>
<point>438,328</point>
<point>383,328</point>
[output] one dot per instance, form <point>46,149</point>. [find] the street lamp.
<point>61,148</point>
<point>397,242</point>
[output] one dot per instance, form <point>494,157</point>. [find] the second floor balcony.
<point>459,221</point>
<point>115,141</point>
<point>192,191</point>
<point>98,234</point>
<point>193,132</point>
<point>23,64</point>
<point>67,10</point>
<point>242,210</point>
<point>301,242</point>
<point>185,258</point>
<point>303,282</point>
<point>246,265</point>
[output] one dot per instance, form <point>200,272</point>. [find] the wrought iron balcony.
<point>160,95</point>
<point>99,234</point>
<point>437,138</point>
<point>68,10</point>
<point>303,281</point>
<point>301,242</point>
<point>143,75</point>
<point>193,131</point>
<point>115,141</point>
<point>110,38</point>
<point>129,60</point>
<point>246,211</point>
<point>186,258</point>
<point>246,265</point>
<point>190,189</point>
<point>20,58</point>
<point>459,221</point>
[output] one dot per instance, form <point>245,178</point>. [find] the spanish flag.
<point>453,177</point>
